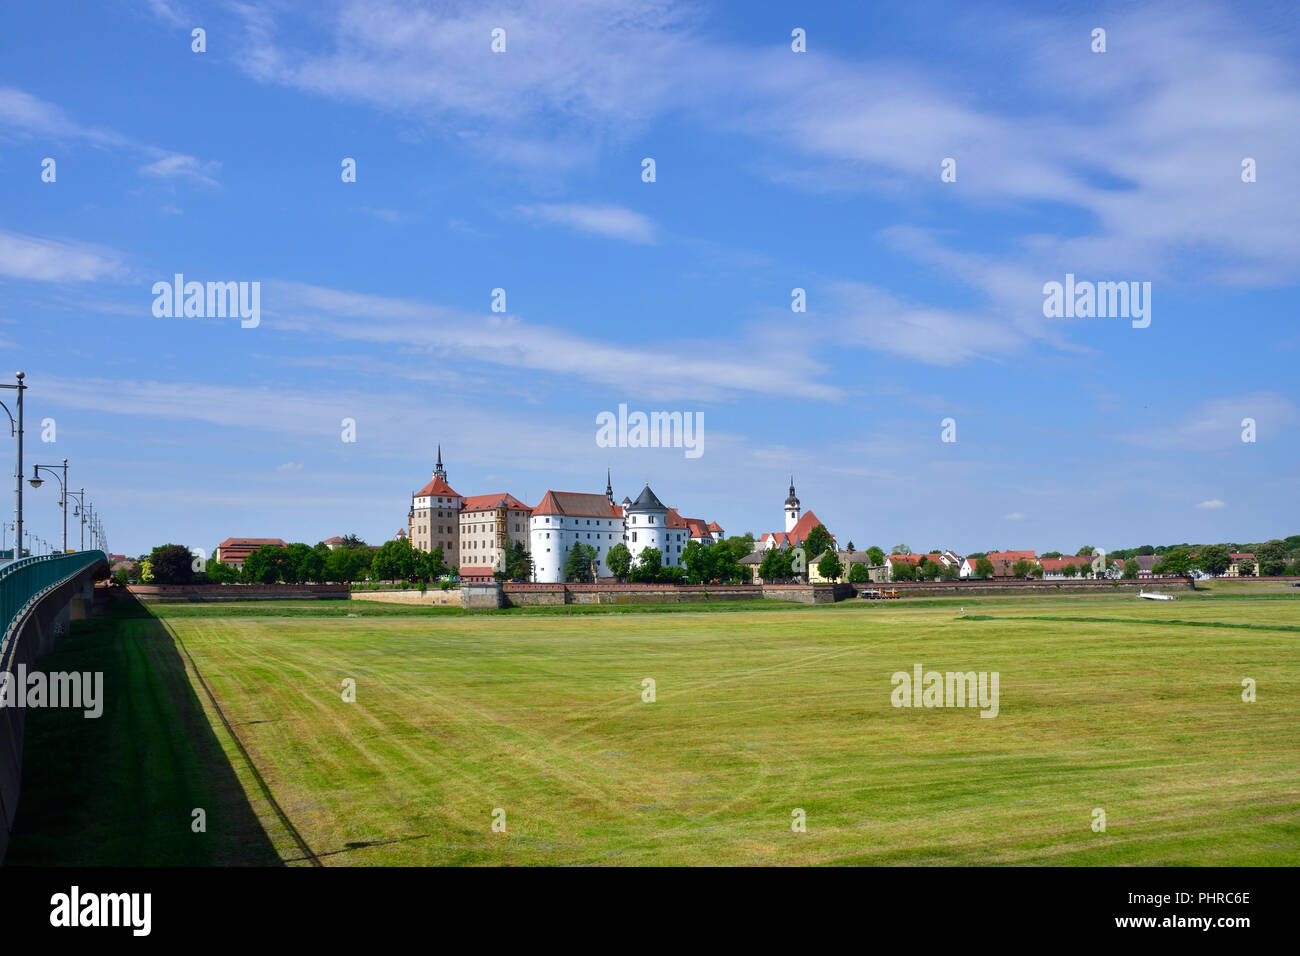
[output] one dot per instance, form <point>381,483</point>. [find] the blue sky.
<point>775,170</point>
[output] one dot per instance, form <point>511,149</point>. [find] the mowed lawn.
<point>1130,706</point>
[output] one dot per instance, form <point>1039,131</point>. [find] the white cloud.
<point>49,260</point>
<point>289,466</point>
<point>1212,503</point>
<point>700,371</point>
<point>178,166</point>
<point>1014,516</point>
<point>613,222</point>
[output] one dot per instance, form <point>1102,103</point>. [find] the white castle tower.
<point>791,508</point>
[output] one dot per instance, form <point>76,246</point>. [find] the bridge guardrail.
<point>22,580</point>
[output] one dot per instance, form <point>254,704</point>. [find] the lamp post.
<point>79,511</point>
<point>16,430</point>
<point>35,481</point>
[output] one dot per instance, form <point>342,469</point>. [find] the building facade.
<point>489,524</point>
<point>434,518</point>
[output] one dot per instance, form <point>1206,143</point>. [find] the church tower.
<point>791,508</point>
<point>609,489</point>
<point>441,472</point>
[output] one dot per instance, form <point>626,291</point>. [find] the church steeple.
<point>438,470</point>
<point>791,508</point>
<point>609,488</point>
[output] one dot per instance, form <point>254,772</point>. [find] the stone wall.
<point>973,587</point>
<point>167,593</point>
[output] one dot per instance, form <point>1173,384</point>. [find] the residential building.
<point>233,551</point>
<point>1237,558</point>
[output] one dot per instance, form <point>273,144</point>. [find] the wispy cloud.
<point>177,166</point>
<point>1212,503</point>
<point>51,260</point>
<point>612,222</point>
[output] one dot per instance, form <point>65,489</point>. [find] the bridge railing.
<point>24,579</point>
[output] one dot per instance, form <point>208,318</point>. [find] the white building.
<point>563,519</point>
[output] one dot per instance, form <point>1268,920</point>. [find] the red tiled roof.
<point>489,502</point>
<point>674,520</point>
<point>1012,556</point>
<point>401,533</point>
<point>468,569</point>
<point>803,527</point>
<point>574,503</point>
<point>714,526</point>
<point>698,528</point>
<point>334,540</point>
<point>1057,564</point>
<point>1237,556</point>
<point>255,542</point>
<point>437,487</point>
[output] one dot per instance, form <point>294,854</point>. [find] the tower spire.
<point>609,487</point>
<point>438,470</point>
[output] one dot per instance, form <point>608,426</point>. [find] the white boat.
<point>1156,597</point>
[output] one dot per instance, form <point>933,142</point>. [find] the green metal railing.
<point>22,580</point>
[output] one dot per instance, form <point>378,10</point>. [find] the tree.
<point>577,566</point>
<point>925,569</point>
<point>121,577</point>
<point>1131,569</point>
<point>983,567</point>
<point>859,573</point>
<point>875,556</point>
<point>519,562</point>
<point>698,562</point>
<point>1069,570</point>
<point>818,542</point>
<point>172,564</point>
<point>146,572</point>
<point>1052,554</point>
<point>619,561</point>
<point>1272,558</point>
<point>343,565</point>
<point>902,571</point>
<point>221,573</point>
<point>1214,559</point>
<point>352,542</point>
<point>1175,562</point>
<point>394,561</point>
<point>901,549</point>
<point>671,574</point>
<point>777,565</point>
<point>830,567</point>
<point>1022,568</point>
<point>647,566</point>
<point>851,548</point>
<point>1245,568</point>
<point>1086,551</point>
<point>301,563</point>
<point>949,572</point>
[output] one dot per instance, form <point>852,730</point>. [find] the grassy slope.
<point>120,789</point>
<point>761,712</point>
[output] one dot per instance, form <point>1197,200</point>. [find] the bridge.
<point>39,596</point>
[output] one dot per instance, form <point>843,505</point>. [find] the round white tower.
<point>645,522</point>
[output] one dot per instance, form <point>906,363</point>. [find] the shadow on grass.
<point>120,790</point>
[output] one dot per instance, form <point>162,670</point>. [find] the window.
<point>651,519</point>
<point>633,535</point>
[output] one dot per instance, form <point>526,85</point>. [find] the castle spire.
<point>609,487</point>
<point>438,470</point>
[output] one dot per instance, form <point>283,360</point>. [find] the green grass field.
<point>1106,702</point>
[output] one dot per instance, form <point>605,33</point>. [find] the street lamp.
<point>16,431</point>
<point>35,482</point>
<point>79,511</point>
